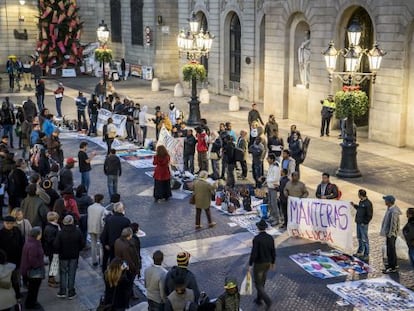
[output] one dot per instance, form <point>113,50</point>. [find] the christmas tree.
<point>59,34</point>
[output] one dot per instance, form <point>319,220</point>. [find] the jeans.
<point>215,165</point>
<point>67,269</point>
<point>391,252</point>
<point>273,205</point>
<point>259,275</point>
<point>230,181</point>
<point>109,142</point>
<point>411,255</point>
<point>83,226</point>
<point>257,169</point>
<point>325,126</point>
<point>85,179</point>
<point>95,247</point>
<point>155,306</point>
<point>243,165</point>
<point>144,133</point>
<point>283,207</point>
<point>8,130</point>
<point>112,182</point>
<point>40,102</point>
<point>363,242</point>
<point>33,286</point>
<point>59,107</point>
<point>189,163</point>
<point>93,120</point>
<point>82,120</point>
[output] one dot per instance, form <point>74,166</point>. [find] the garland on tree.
<point>59,34</point>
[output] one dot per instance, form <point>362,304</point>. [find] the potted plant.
<point>103,55</point>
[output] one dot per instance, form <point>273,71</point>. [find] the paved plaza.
<point>223,250</point>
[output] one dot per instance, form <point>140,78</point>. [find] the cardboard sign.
<point>118,120</point>
<point>175,147</point>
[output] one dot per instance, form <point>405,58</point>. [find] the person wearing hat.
<point>328,108</point>
<point>58,98</point>
<point>262,258</point>
<point>68,244</point>
<point>181,271</point>
<point>390,228</point>
<point>66,174</point>
<point>230,299</point>
<point>11,242</point>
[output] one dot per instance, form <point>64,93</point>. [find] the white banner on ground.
<point>118,120</point>
<point>320,220</point>
<point>175,147</point>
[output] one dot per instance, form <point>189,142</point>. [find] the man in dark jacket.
<point>112,170</point>
<point>11,242</point>
<point>325,189</point>
<point>66,175</point>
<point>262,258</point>
<point>180,271</point>
<point>228,155</point>
<point>364,212</point>
<point>8,120</point>
<point>408,232</point>
<point>17,183</point>
<point>68,244</point>
<point>254,115</point>
<point>189,151</point>
<point>112,230</point>
<point>29,109</point>
<point>282,198</point>
<point>81,104</point>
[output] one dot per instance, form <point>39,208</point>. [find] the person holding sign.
<point>262,258</point>
<point>295,188</point>
<point>326,190</point>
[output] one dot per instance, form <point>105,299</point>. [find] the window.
<point>235,48</point>
<point>116,21</point>
<point>137,23</point>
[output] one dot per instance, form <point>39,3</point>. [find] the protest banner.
<point>321,220</point>
<point>118,120</point>
<point>175,147</point>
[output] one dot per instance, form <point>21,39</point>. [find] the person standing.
<point>81,104</point>
<point>296,150</point>
<point>390,228</point>
<point>288,163</point>
<point>85,164</point>
<point>27,75</point>
<point>17,183</point>
<point>112,170</point>
<point>29,109</point>
<point>100,91</point>
<point>364,213</point>
<point>54,147</point>
<point>189,151</point>
<point>202,148</point>
<point>271,126</point>
<point>37,72</point>
<point>326,190</point>
<point>272,180</point>
<point>215,154</point>
<point>162,175</point>
<point>295,188</point>
<point>137,128</point>
<point>8,120</point>
<point>275,145</point>
<point>229,156</point>
<point>93,110</point>
<point>34,208</point>
<point>110,134</point>
<point>95,225</point>
<point>142,118</point>
<point>262,258</point>
<point>242,144</point>
<point>68,244</point>
<point>408,232</point>
<point>282,198</point>
<point>48,238</point>
<point>32,261</point>
<point>155,283</point>
<point>58,98</point>
<point>123,69</point>
<point>254,115</point>
<point>66,175</point>
<point>40,95</point>
<point>7,296</point>
<point>258,153</point>
<point>328,108</point>
<point>116,285</point>
<point>202,194</point>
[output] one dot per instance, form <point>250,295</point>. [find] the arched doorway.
<point>361,16</point>
<point>201,17</point>
<point>235,49</point>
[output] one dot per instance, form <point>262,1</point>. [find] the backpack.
<point>305,146</point>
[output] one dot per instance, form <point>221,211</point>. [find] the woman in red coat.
<point>162,176</point>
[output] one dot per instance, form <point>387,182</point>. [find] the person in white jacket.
<point>143,122</point>
<point>272,180</point>
<point>95,225</point>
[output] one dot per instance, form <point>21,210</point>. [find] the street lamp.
<point>22,2</point>
<point>353,78</point>
<point>103,36</point>
<point>193,44</point>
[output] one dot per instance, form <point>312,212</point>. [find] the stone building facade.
<point>256,55</point>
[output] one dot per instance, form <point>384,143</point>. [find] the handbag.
<point>214,156</point>
<point>54,265</point>
<point>246,285</point>
<point>192,199</point>
<point>36,273</point>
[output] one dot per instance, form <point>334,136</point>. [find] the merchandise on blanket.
<point>246,199</point>
<point>263,211</point>
<point>260,193</point>
<point>318,266</point>
<point>348,262</point>
<point>375,294</point>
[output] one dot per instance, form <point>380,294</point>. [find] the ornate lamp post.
<point>354,103</point>
<point>103,55</point>
<point>194,43</point>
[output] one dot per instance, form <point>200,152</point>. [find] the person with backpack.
<point>230,299</point>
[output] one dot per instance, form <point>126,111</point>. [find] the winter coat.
<point>48,238</point>
<point>408,232</point>
<point>66,178</point>
<point>69,242</point>
<point>112,165</point>
<point>162,168</point>
<point>364,212</point>
<point>203,191</point>
<point>202,142</point>
<point>29,109</point>
<point>11,241</point>
<point>181,272</point>
<point>17,183</point>
<point>390,226</point>
<point>113,228</point>
<point>228,302</point>
<point>35,210</point>
<point>24,227</point>
<point>177,302</point>
<point>95,218</point>
<point>7,295</point>
<point>32,256</point>
<point>189,145</point>
<point>125,250</point>
<point>83,203</point>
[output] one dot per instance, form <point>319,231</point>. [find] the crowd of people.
<point>49,217</point>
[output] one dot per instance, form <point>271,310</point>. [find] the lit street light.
<point>103,36</point>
